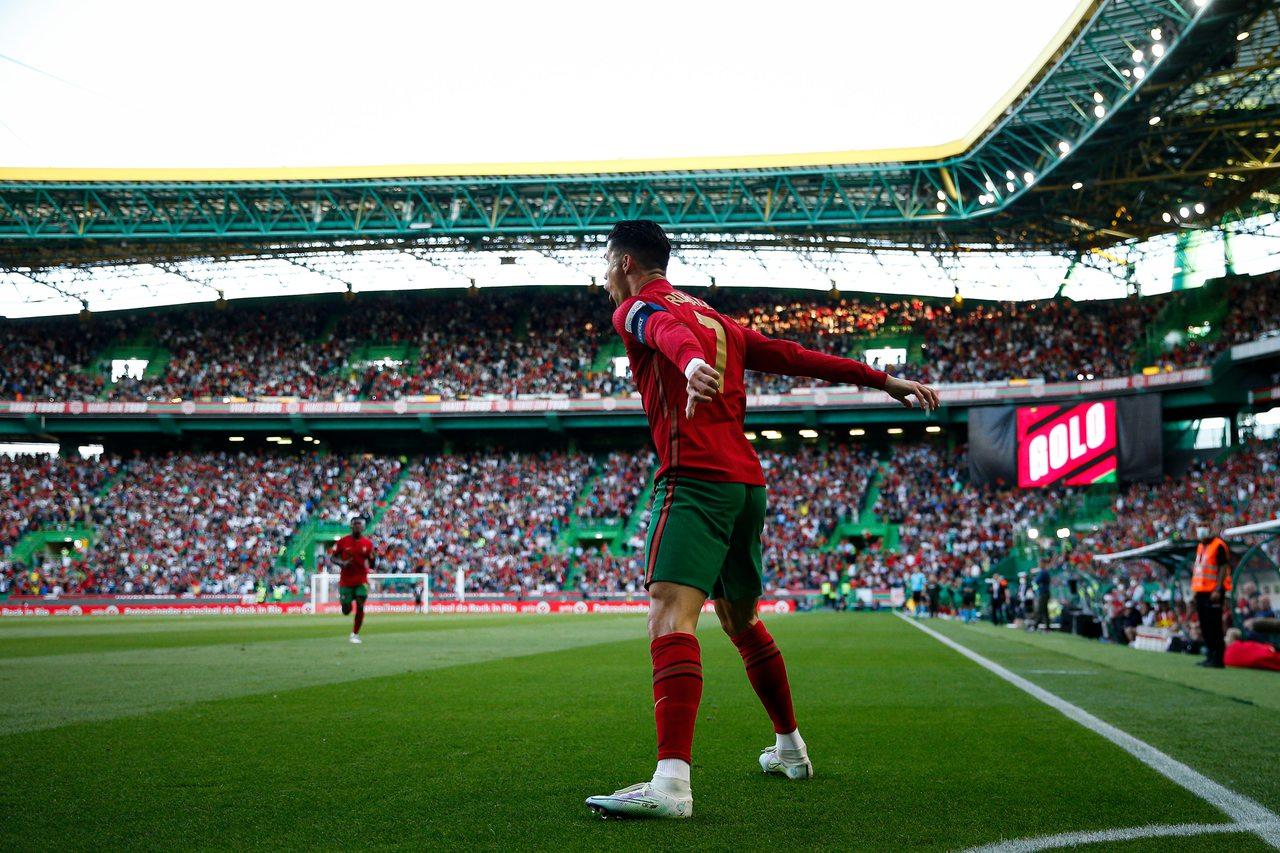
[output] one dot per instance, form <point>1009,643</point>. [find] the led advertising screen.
<point>1070,445</point>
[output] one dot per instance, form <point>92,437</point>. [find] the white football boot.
<point>792,763</point>
<point>672,798</point>
<point>355,638</point>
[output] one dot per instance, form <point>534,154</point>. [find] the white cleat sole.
<point>609,813</point>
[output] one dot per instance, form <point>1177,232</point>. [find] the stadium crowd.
<point>947,522</point>
<point>201,523</point>
<point>192,523</point>
<point>497,517</point>
<point>1253,310</point>
<point>810,491</point>
<point>48,492</point>
<point>1054,340</point>
<point>52,359</point>
<point>1243,486</point>
<point>615,491</point>
<point>602,572</point>
<point>509,342</point>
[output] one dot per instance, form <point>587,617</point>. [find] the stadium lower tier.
<point>534,341</point>
<point>841,516</point>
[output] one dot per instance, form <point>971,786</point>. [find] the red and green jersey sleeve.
<point>665,329</point>
<point>788,358</point>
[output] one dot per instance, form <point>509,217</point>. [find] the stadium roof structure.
<point>1258,528</point>
<point>1167,552</point>
<point>1147,118</point>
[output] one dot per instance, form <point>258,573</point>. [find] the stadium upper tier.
<point>219,523</point>
<point>522,343</point>
<point>1141,111</point>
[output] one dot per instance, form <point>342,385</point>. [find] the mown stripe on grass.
<point>230,630</point>
<point>1241,685</point>
<point>50,691</point>
<point>1264,822</point>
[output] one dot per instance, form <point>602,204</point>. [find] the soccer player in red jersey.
<point>709,503</point>
<point>355,557</point>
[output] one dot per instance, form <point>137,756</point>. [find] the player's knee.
<point>346,608</point>
<point>673,608</point>
<point>736,616</point>
<point>360,604</point>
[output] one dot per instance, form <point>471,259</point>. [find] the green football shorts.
<point>706,535</point>
<point>347,593</point>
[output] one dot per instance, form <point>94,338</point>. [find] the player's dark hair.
<point>644,240</point>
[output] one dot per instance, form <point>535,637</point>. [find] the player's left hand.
<point>704,383</point>
<point>903,390</point>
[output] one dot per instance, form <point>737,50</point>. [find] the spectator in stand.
<point>1250,654</point>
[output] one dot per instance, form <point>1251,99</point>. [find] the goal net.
<point>388,593</point>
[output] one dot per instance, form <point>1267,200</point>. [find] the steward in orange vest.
<point>1210,579</point>
<point>1213,566</point>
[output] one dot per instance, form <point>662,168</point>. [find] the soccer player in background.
<point>355,557</point>
<point>709,503</point>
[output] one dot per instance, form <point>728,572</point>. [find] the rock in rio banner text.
<point>1069,445</point>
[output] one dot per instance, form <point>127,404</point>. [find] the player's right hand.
<point>903,390</point>
<point>704,384</point>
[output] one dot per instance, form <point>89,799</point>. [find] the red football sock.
<point>359,618</point>
<point>768,675</point>
<point>677,690</point>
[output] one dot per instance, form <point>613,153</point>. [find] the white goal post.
<point>388,593</point>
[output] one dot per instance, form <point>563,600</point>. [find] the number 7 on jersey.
<point>722,346</point>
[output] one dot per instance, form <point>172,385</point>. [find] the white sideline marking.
<point>1103,836</point>
<point>1258,818</point>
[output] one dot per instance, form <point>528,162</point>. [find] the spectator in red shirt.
<point>1249,654</point>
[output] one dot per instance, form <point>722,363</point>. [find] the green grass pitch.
<point>274,732</point>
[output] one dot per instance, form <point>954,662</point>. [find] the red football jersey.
<point>663,330</point>
<point>354,555</point>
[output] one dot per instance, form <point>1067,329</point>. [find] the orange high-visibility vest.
<point>1209,562</point>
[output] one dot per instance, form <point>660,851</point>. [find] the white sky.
<point>276,82</point>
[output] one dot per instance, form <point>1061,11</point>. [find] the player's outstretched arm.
<point>788,358</point>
